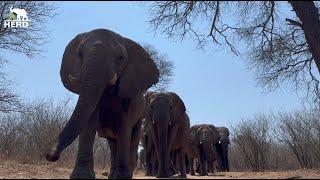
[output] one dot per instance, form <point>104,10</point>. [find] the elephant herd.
<point>111,75</point>
<point>205,146</point>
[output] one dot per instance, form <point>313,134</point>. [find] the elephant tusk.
<point>219,142</point>
<point>153,121</point>
<point>114,79</point>
<point>169,123</point>
<point>200,142</point>
<point>73,79</point>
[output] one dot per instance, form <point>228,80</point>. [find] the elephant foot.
<point>149,171</point>
<point>192,173</point>
<point>203,174</point>
<point>122,173</point>
<point>154,172</point>
<point>53,154</point>
<point>164,174</point>
<point>111,173</point>
<point>82,173</point>
<point>183,176</point>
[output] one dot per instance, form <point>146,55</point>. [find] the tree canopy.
<point>282,38</point>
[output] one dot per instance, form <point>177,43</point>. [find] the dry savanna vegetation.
<point>282,144</point>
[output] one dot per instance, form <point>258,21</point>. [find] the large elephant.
<point>110,73</point>
<point>202,141</point>
<point>223,146</point>
<point>170,127</point>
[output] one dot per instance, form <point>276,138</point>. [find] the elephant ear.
<point>71,65</point>
<point>140,73</point>
<point>179,108</point>
<point>148,96</point>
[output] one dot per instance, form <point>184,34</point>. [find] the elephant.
<point>203,139</point>
<point>222,147</point>
<point>150,158</point>
<point>170,124</point>
<point>110,73</point>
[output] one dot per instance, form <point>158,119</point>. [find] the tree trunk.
<point>308,14</point>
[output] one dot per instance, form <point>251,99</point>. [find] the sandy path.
<point>11,169</point>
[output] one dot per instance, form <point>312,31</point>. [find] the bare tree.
<point>300,132</point>
<point>28,41</point>
<point>253,140</point>
<point>282,46</point>
<point>9,100</point>
<point>165,67</point>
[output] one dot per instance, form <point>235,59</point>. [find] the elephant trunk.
<point>93,82</point>
<point>163,151</point>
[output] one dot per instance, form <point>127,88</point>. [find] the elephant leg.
<point>182,160</point>
<point>113,153</point>
<point>123,169</point>
<point>149,161</point>
<point>182,164</point>
<point>198,167</point>
<point>191,166</point>
<point>176,162</point>
<point>187,164</point>
<point>134,145</point>
<point>84,163</point>
<point>155,164</point>
<point>173,170</point>
<point>210,166</point>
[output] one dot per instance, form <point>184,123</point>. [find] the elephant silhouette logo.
<point>20,13</point>
<point>17,18</point>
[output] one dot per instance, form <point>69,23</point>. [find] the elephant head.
<point>93,62</point>
<point>164,111</point>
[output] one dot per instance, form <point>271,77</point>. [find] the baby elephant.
<point>170,124</point>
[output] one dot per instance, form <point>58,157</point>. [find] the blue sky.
<point>215,85</point>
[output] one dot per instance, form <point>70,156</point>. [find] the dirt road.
<point>11,169</point>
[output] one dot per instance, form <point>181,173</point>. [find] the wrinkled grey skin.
<point>223,148</point>
<point>202,141</point>
<point>110,74</point>
<point>170,127</point>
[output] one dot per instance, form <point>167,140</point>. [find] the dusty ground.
<point>11,169</point>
